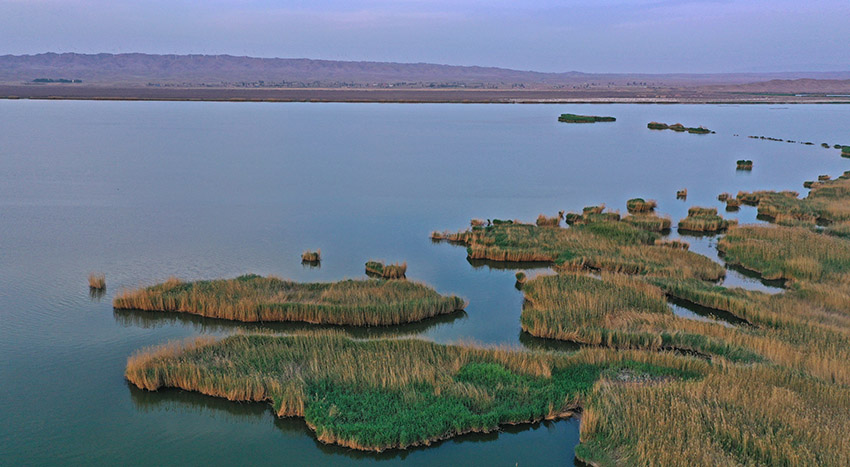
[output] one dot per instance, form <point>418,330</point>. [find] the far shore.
<point>461,96</point>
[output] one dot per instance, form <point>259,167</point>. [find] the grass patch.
<point>254,298</point>
<point>385,394</point>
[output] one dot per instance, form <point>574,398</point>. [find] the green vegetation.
<point>386,271</point>
<point>383,394</point>
<point>787,253</point>
<point>311,256</point>
<point>649,222</point>
<point>781,388</point>
<point>678,127</point>
<point>520,277</point>
<point>573,118</point>
<point>603,245</point>
<point>639,205</point>
<point>828,201</point>
<point>255,298</point>
<point>744,164</point>
<point>704,220</point>
<point>97,281</point>
<point>616,311</point>
<point>845,151</point>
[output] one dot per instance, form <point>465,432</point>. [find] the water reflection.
<point>488,447</point>
<point>552,345</point>
<point>690,310</point>
<point>96,295</point>
<point>156,319</point>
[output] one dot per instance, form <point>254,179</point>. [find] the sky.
<point>638,36</point>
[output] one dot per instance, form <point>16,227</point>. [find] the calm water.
<point>145,190</point>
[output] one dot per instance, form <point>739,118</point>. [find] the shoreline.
<point>401,96</point>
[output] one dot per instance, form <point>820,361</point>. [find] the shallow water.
<point>145,190</point>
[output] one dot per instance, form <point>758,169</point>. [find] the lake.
<point>145,190</point>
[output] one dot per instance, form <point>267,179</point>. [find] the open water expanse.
<point>145,190</point>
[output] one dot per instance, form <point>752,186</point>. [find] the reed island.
<point>254,298</point>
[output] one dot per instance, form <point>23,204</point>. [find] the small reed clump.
<point>311,256</point>
<point>97,281</point>
<point>704,220</point>
<point>682,194</point>
<point>722,197</point>
<point>544,221</point>
<point>386,271</point>
<point>477,223</point>
<point>639,205</point>
<point>733,204</point>
<point>744,164</point>
<point>823,178</point>
<point>520,277</point>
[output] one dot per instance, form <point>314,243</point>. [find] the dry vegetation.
<point>386,271</point>
<point>311,256</point>
<point>97,281</point>
<point>600,245</point>
<point>382,394</point>
<point>255,298</point>
<point>704,220</point>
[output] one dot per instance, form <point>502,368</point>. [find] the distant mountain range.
<point>138,69</point>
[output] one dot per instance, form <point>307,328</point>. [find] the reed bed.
<point>386,271</point>
<point>701,219</point>
<point>254,298</point>
<point>787,253</point>
<point>97,281</point>
<point>678,127</point>
<point>639,205</point>
<point>748,415</point>
<point>615,311</point>
<point>650,222</point>
<point>613,246</point>
<point>384,394</point>
<point>311,256</point>
<point>828,201</point>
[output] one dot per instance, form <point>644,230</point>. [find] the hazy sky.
<point>594,36</point>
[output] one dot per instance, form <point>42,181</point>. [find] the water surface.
<point>145,190</point>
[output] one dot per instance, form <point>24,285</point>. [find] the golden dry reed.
<point>255,298</point>
<point>97,281</point>
<point>311,256</point>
